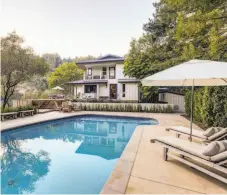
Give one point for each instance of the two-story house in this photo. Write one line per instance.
(104, 78)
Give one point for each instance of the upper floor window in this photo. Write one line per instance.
(112, 72)
(89, 71)
(103, 71)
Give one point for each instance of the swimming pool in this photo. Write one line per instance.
(68, 156)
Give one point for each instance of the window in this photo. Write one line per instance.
(104, 71)
(123, 90)
(89, 71)
(90, 88)
(112, 72)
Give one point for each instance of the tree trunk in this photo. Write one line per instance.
(5, 101)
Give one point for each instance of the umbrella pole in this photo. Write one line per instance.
(191, 118)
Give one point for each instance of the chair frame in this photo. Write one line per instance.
(183, 155)
(179, 133)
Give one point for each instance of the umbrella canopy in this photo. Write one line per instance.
(58, 88)
(199, 72)
(191, 73)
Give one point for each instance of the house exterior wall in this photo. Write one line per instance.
(78, 89)
(131, 89)
(103, 90)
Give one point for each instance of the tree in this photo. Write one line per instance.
(64, 73)
(53, 59)
(18, 65)
(180, 30)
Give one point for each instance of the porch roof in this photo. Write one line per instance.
(94, 81)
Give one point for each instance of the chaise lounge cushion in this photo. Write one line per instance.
(218, 134)
(211, 131)
(219, 157)
(215, 148)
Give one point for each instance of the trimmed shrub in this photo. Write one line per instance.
(210, 106)
(126, 108)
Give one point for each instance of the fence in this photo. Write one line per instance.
(176, 99)
(18, 103)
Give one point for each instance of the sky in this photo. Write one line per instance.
(76, 27)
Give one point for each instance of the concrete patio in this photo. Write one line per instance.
(141, 168)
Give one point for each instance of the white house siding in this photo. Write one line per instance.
(78, 89)
(131, 91)
(103, 90)
(119, 72)
(175, 99)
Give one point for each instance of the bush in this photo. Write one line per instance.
(126, 108)
(21, 108)
(210, 106)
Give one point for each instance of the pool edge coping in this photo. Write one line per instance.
(71, 116)
(111, 188)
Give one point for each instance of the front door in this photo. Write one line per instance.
(113, 91)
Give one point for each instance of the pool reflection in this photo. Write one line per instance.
(33, 157)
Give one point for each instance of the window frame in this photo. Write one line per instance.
(93, 86)
(88, 70)
(123, 89)
(112, 77)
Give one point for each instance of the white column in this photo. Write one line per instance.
(97, 92)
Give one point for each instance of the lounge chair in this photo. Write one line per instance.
(66, 106)
(190, 153)
(57, 107)
(199, 134)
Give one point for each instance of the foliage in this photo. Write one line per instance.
(126, 108)
(180, 31)
(82, 58)
(210, 106)
(53, 59)
(64, 73)
(18, 64)
(13, 109)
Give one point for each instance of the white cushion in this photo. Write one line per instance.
(218, 134)
(215, 148)
(211, 131)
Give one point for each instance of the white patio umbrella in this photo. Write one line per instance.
(191, 73)
(58, 88)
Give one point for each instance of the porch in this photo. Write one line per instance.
(94, 91)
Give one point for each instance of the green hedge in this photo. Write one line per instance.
(210, 106)
(125, 108)
(21, 108)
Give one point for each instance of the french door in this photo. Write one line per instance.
(113, 91)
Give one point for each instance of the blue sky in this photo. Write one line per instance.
(76, 27)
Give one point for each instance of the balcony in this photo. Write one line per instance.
(101, 76)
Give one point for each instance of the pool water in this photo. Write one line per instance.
(67, 156)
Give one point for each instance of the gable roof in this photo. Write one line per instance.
(106, 58)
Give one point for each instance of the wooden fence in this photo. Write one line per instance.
(176, 99)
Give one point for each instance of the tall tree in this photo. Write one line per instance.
(64, 73)
(53, 59)
(18, 65)
(180, 30)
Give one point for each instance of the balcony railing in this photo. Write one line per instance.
(95, 77)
